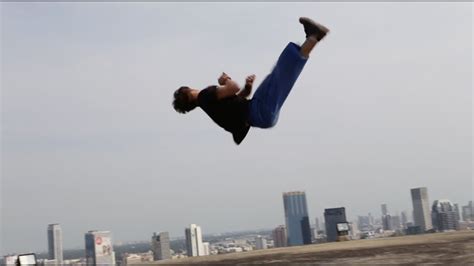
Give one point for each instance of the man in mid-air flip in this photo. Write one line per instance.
(229, 106)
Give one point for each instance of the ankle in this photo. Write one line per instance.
(308, 46)
(312, 39)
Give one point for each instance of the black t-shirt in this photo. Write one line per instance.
(230, 113)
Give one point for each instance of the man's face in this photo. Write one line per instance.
(223, 78)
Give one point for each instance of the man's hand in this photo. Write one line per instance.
(249, 80)
(247, 90)
(223, 79)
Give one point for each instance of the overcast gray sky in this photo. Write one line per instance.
(90, 139)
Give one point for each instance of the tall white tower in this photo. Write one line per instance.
(55, 243)
(194, 243)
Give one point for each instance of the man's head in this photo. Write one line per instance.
(184, 100)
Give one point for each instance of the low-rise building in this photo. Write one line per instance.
(139, 258)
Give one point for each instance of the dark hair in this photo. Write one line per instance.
(182, 103)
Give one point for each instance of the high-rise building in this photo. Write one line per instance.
(444, 216)
(317, 226)
(363, 223)
(280, 238)
(404, 219)
(458, 214)
(99, 248)
(194, 244)
(396, 222)
(384, 209)
(160, 245)
(332, 217)
(387, 222)
(371, 219)
(55, 243)
(471, 206)
(260, 243)
(421, 208)
(296, 217)
(468, 212)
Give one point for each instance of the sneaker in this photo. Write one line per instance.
(312, 28)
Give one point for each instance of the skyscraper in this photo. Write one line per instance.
(384, 209)
(421, 208)
(363, 223)
(458, 214)
(444, 216)
(99, 249)
(194, 244)
(332, 217)
(55, 243)
(160, 245)
(280, 237)
(396, 222)
(468, 212)
(404, 219)
(260, 243)
(471, 207)
(296, 218)
(387, 222)
(317, 226)
(371, 219)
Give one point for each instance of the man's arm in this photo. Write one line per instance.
(245, 92)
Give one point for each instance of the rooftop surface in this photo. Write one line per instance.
(445, 248)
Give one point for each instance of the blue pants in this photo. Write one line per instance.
(271, 94)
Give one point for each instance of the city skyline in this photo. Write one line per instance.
(195, 239)
(90, 139)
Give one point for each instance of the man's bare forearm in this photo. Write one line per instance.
(245, 92)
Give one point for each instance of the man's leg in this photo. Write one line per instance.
(308, 46)
(273, 91)
(275, 88)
